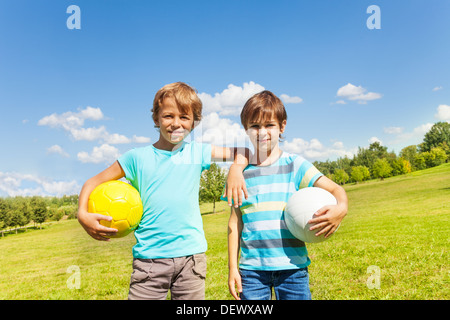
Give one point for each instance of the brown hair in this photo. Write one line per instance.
(263, 106)
(185, 96)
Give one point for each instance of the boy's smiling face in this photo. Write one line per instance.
(174, 124)
(265, 134)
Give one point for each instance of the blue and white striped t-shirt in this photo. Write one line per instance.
(266, 242)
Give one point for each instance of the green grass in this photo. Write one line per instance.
(400, 225)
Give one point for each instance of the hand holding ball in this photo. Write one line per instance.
(300, 209)
(120, 201)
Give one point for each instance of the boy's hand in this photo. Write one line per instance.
(328, 219)
(235, 186)
(234, 281)
(91, 223)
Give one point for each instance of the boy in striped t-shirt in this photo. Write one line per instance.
(270, 256)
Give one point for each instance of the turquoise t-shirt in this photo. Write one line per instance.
(168, 183)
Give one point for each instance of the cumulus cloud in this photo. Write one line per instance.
(220, 131)
(287, 99)
(437, 88)
(393, 130)
(73, 123)
(13, 184)
(412, 137)
(231, 100)
(103, 154)
(70, 119)
(315, 150)
(375, 139)
(443, 113)
(56, 149)
(359, 94)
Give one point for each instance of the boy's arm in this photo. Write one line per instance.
(328, 218)
(91, 221)
(235, 181)
(234, 235)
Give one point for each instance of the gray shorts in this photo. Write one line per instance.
(184, 277)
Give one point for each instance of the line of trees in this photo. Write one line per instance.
(16, 212)
(376, 162)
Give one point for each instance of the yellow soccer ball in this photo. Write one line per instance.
(119, 200)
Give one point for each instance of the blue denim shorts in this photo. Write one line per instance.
(287, 284)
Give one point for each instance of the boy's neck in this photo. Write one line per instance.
(163, 144)
(264, 158)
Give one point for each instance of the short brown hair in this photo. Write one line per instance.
(185, 96)
(262, 106)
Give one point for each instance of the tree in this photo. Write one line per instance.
(381, 169)
(419, 161)
(39, 209)
(436, 136)
(212, 183)
(408, 153)
(340, 176)
(434, 157)
(3, 218)
(20, 210)
(400, 166)
(367, 157)
(360, 173)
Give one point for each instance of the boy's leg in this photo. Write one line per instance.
(292, 285)
(189, 278)
(150, 279)
(256, 285)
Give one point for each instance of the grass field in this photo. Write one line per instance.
(396, 231)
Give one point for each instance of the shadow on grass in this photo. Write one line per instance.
(211, 212)
(13, 232)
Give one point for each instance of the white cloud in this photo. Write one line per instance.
(103, 154)
(443, 113)
(140, 139)
(73, 122)
(220, 131)
(393, 130)
(56, 149)
(287, 99)
(89, 134)
(422, 129)
(70, 119)
(231, 100)
(412, 137)
(375, 139)
(359, 94)
(315, 150)
(437, 88)
(13, 184)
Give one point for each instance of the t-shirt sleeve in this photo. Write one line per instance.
(307, 173)
(128, 163)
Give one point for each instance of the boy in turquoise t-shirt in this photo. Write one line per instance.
(269, 255)
(170, 243)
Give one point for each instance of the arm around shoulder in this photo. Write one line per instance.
(235, 186)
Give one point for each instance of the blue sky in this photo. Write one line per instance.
(72, 100)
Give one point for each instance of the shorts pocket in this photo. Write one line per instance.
(141, 270)
(199, 268)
